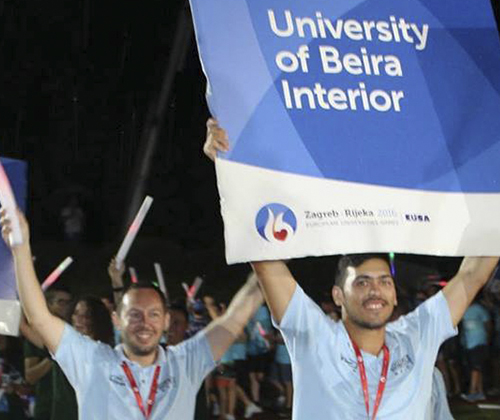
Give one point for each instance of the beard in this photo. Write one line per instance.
(137, 349)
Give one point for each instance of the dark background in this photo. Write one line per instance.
(78, 80)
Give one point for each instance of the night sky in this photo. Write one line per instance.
(78, 80)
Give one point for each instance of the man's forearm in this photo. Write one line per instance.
(475, 272)
(462, 289)
(33, 301)
(30, 292)
(243, 306)
(34, 373)
(278, 285)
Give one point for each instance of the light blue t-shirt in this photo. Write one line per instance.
(474, 331)
(104, 392)
(239, 351)
(326, 380)
(440, 406)
(281, 356)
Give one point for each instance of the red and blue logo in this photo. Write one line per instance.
(276, 222)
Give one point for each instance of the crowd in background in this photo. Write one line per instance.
(254, 375)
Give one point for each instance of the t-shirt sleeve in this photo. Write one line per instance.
(76, 355)
(196, 356)
(303, 324)
(430, 323)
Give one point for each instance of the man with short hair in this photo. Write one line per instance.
(137, 379)
(362, 367)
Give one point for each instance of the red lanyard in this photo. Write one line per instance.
(135, 389)
(364, 381)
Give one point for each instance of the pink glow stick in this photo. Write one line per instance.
(262, 332)
(54, 276)
(8, 202)
(193, 290)
(133, 230)
(133, 275)
(161, 280)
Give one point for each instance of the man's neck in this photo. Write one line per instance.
(143, 361)
(368, 340)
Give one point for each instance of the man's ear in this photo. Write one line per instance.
(167, 321)
(338, 295)
(116, 320)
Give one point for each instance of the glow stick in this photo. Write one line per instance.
(132, 231)
(193, 290)
(489, 406)
(161, 280)
(262, 332)
(186, 288)
(133, 275)
(8, 202)
(54, 276)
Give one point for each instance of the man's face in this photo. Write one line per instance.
(369, 294)
(178, 327)
(60, 305)
(142, 320)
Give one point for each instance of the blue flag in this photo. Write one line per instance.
(10, 309)
(355, 126)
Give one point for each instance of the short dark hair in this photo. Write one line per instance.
(51, 293)
(181, 308)
(355, 260)
(143, 286)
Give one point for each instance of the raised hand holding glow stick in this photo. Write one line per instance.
(193, 290)
(54, 276)
(8, 202)
(161, 280)
(133, 275)
(133, 230)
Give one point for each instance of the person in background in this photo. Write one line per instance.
(283, 372)
(234, 366)
(89, 317)
(14, 391)
(476, 325)
(37, 361)
(258, 331)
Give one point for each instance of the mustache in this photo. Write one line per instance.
(377, 300)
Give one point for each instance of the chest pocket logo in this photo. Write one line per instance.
(118, 380)
(403, 365)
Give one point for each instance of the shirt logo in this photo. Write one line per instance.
(402, 365)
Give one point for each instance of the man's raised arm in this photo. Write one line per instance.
(31, 296)
(471, 277)
(277, 284)
(276, 280)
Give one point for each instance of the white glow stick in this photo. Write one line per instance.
(54, 276)
(186, 288)
(8, 202)
(161, 280)
(193, 290)
(132, 231)
(133, 275)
